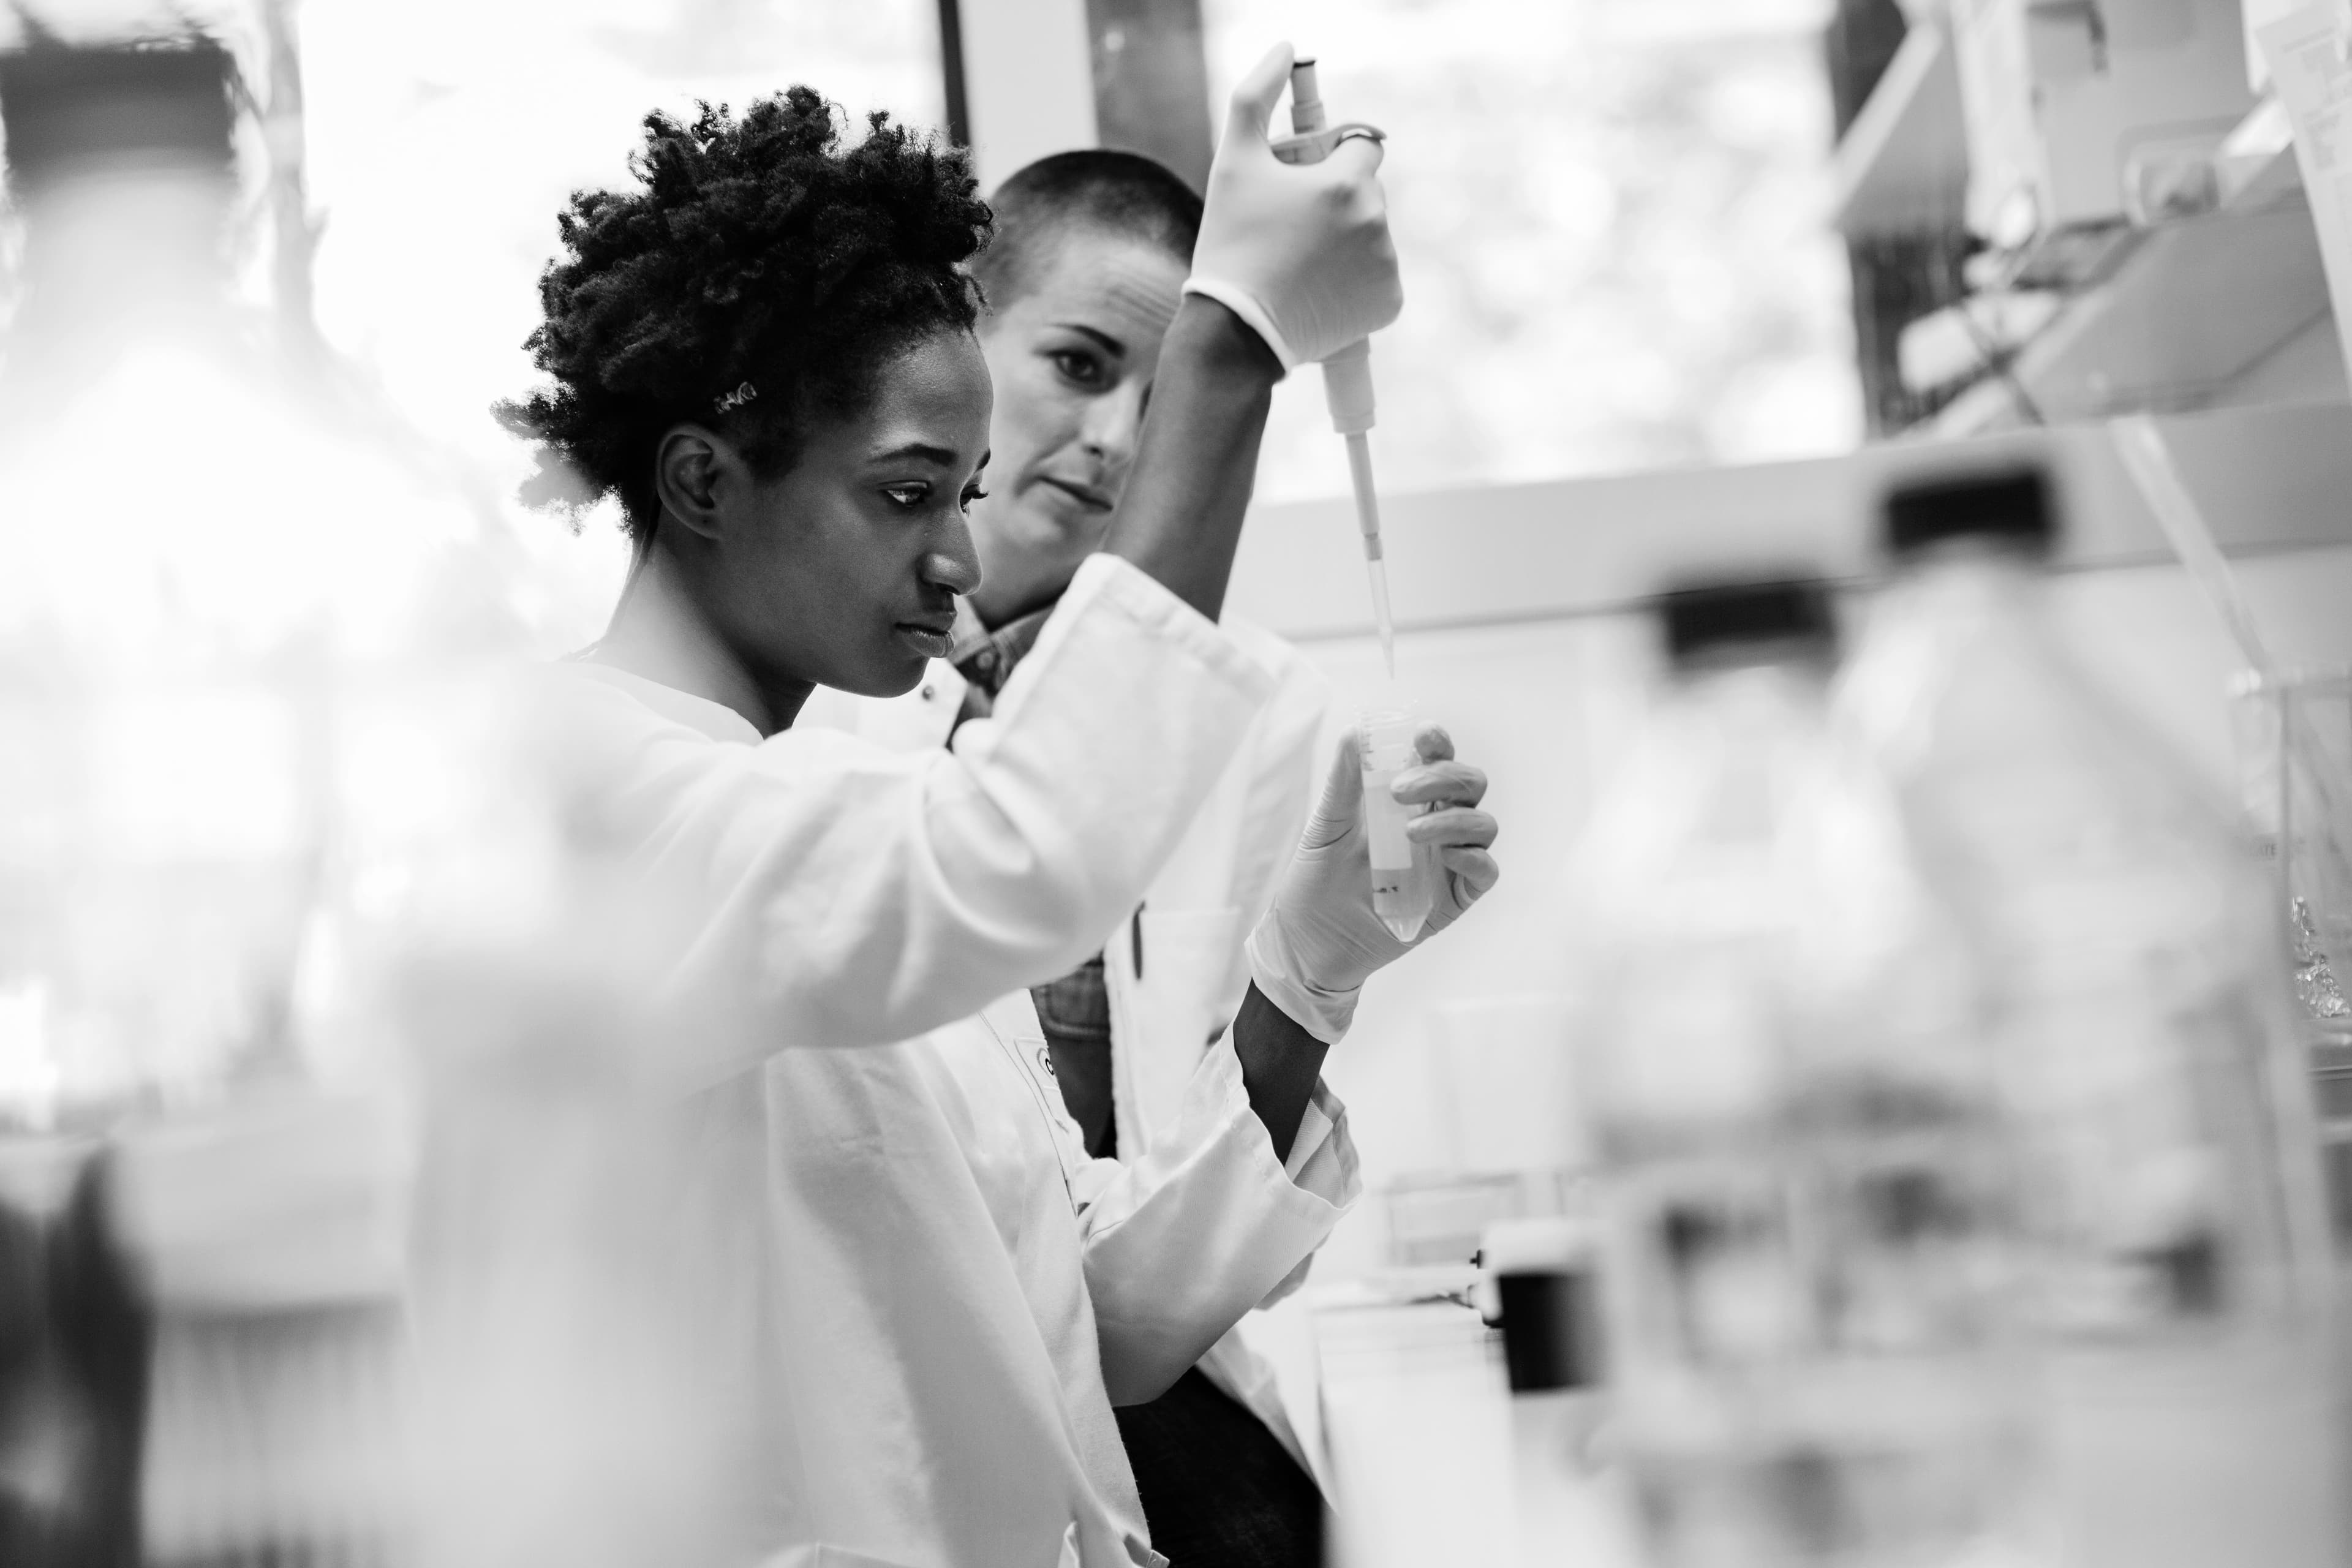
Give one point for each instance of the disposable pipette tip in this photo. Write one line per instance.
(1368, 523)
(1379, 573)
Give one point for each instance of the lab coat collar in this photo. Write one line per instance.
(714, 720)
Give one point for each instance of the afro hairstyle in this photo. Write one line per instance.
(759, 278)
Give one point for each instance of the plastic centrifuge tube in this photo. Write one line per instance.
(1400, 870)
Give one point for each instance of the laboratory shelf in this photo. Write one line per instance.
(2271, 477)
(2186, 316)
(2188, 313)
(1903, 165)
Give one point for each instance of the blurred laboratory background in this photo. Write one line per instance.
(1688, 281)
(1693, 289)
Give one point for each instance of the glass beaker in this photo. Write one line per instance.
(2295, 761)
(2294, 752)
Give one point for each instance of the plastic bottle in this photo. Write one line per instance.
(2143, 1043)
(1401, 871)
(1803, 1165)
(238, 610)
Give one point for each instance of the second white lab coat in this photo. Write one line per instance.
(1167, 1250)
(1175, 968)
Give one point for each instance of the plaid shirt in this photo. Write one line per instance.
(1073, 1011)
(985, 658)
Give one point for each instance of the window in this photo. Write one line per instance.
(445, 135)
(1612, 220)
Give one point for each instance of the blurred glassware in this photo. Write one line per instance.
(1810, 1220)
(2145, 1041)
(2294, 754)
(246, 641)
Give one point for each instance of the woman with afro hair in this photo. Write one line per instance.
(766, 354)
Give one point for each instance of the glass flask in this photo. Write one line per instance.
(2145, 1043)
(1809, 1217)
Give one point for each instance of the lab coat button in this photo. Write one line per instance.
(1045, 1060)
(930, 692)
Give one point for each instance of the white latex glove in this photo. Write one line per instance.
(1300, 251)
(1320, 942)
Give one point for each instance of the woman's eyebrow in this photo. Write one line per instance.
(923, 449)
(1110, 345)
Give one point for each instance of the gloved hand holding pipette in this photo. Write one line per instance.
(1326, 933)
(1252, 253)
(1332, 322)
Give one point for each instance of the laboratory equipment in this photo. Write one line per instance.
(1403, 872)
(2294, 756)
(2060, 99)
(1539, 1280)
(1348, 375)
(1544, 1275)
(2143, 1043)
(1803, 1165)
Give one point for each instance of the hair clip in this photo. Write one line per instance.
(737, 398)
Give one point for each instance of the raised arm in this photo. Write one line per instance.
(814, 888)
(1302, 253)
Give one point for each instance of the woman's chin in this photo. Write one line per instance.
(893, 672)
(1052, 525)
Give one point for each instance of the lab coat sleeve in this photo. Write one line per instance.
(1207, 1224)
(832, 892)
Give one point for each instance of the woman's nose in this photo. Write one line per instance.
(955, 563)
(1113, 424)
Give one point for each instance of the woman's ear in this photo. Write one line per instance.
(693, 471)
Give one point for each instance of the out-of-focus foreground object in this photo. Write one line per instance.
(1807, 1209)
(279, 896)
(2062, 99)
(2156, 1088)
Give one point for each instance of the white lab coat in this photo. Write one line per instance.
(1192, 973)
(907, 1388)
(1167, 1250)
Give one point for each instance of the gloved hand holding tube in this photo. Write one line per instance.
(1323, 937)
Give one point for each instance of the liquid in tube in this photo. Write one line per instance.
(1400, 870)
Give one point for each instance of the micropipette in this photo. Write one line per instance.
(1348, 375)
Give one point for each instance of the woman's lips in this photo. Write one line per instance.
(1085, 495)
(928, 641)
